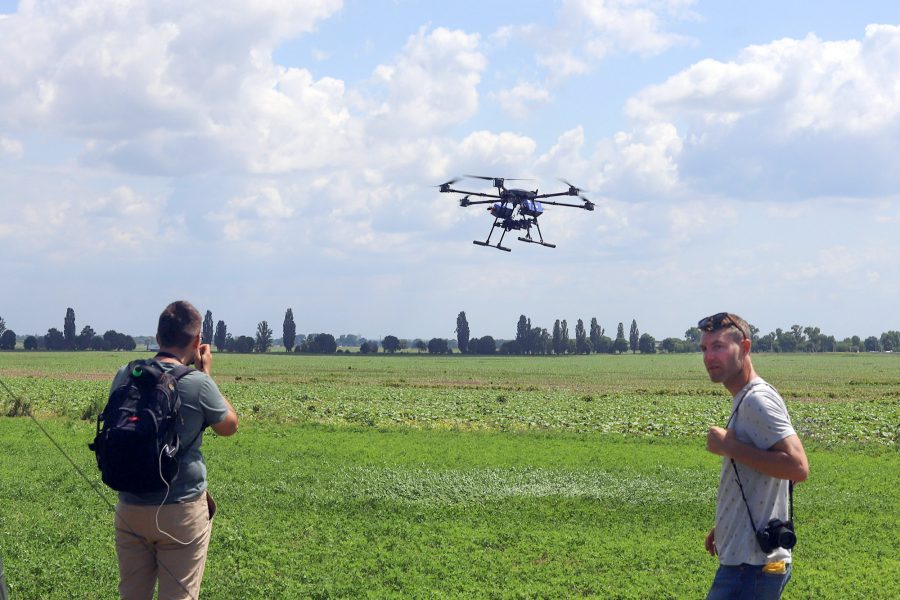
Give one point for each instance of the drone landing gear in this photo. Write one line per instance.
(487, 242)
(498, 246)
(542, 243)
(540, 239)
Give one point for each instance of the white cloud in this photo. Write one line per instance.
(64, 228)
(788, 119)
(141, 82)
(433, 83)
(521, 99)
(589, 31)
(11, 148)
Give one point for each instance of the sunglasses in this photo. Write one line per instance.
(719, 321)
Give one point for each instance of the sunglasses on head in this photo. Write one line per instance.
(719, 321)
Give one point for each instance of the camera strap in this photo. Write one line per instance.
(737, 475)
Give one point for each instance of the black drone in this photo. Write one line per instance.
(516, 209)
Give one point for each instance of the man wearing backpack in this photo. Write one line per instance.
(163, 536)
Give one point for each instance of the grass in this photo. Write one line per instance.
(420, 481)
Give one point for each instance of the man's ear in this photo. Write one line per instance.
(196, 343)
(745, 346)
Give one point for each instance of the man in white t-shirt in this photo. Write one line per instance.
(762, 455)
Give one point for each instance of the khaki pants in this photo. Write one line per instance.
(147, 555)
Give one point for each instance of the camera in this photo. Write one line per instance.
(777, 534)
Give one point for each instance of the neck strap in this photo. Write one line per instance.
(737, 475)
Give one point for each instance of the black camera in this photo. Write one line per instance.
(777, 534)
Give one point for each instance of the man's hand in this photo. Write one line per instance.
(203, 358)
(718, 440)
(711, 542)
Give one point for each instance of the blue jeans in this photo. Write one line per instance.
(747, 582)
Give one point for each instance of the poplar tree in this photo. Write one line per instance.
(69, 329)
(221, 336)
(206, 336)
(289, 330)
(462, 332)
(634, 337)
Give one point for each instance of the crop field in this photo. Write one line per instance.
(471, 477)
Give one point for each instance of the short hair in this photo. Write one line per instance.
(179, 324)
(730, 322)
(739, 326)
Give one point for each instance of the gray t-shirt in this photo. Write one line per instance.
(761, 420)
(201, 404)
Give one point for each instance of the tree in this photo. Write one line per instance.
(289, 330)
(872, 344)
(596, 333)
(263, 337)
(8, 340)
(558, 347)
(582, 345)
(671, 344)
(523, 328)
(692, 339)
(462, 332)
(390, 343)
(320, 343)
(54, 339)
(243, 344)
(510, 347)
(647, 344)
(221, 336)
(31, 343)
(634, 336)
(84, 339)
(620, 344)
(206, 334)
(604, 345)
(486, 345)
(2, 325)
(564, 332)
(890, 341)
(438, 346)
(69, 329)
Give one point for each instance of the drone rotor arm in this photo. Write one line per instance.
(588, 205)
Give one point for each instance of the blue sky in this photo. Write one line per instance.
(252, 159)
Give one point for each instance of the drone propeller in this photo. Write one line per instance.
(573, 190)
(496, 178)
(451, 182)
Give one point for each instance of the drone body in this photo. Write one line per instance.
(515, 209)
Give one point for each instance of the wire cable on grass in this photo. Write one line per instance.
(26, 409)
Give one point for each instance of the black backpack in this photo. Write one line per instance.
(136, 445)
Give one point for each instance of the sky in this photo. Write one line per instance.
(254, 157)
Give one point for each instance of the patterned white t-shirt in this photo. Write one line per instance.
(761, 420)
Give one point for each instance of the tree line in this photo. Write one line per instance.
(68, 339)
(529, 340)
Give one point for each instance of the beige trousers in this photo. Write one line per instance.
(146, 555)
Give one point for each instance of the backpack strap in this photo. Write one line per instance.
(179, 371)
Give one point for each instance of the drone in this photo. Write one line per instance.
(516, 209)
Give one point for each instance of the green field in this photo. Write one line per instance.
(419, 476)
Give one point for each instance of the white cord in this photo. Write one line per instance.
(168, 489)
